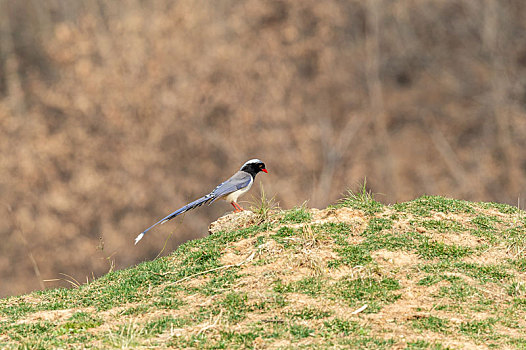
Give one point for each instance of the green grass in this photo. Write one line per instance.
(165, 323)
(310, 286)
(83, 320)
(244, 339)
(296, 216)
(351, 255)
(16, 308)
(136, 310)
(271, 301)
(377, 225)
(309, 313)
(515, 239)
(432, 323)
(478, 327)
(221, 282)
(429, 250)
(301, 283)
(339, 327)
(235, 306)
(501, 207)
(362, 199)
(45, 335)
(168, 302)
(442, 225)
(517, 289)
(300, 331)
(375, 293)
(459, 290)
(426, 205)
(482, 272)
(283, 236)
(485, 222)
(519, 264)
(430, 280)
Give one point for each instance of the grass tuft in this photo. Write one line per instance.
(375, 293)
(426, 205)
(264, 206)
(296, 215)
(432, 323)
(362, 199)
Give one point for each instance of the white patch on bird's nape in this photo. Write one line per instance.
(252, 161)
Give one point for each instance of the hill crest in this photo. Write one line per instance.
(430, 273)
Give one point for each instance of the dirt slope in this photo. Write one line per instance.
(431, 273)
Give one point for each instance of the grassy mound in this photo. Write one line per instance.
(431, 273)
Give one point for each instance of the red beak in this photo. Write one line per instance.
(265, 170)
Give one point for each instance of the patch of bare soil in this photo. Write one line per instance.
(397, 259)
(52, 315)
(233, 221)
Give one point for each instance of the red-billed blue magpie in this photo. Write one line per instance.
(230, 190)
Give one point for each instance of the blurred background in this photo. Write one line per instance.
(115, 113)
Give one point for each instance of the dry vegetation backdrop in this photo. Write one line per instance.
(115, 113)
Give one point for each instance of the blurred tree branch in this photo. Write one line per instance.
(376, 101)
(15, 93)
(499, 87)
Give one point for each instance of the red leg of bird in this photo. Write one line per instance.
(236, 209)
(237, 206)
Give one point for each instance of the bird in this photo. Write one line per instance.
(230, 190)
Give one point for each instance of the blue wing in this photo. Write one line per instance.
(240, 180)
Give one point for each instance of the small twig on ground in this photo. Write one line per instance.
(168, 238)
(71, 281)
(249, 258)
(272, 321)
(212, 325)
(357, 311)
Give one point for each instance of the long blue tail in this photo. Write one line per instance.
(197, 203)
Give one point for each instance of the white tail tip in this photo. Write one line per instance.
(139, 237)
